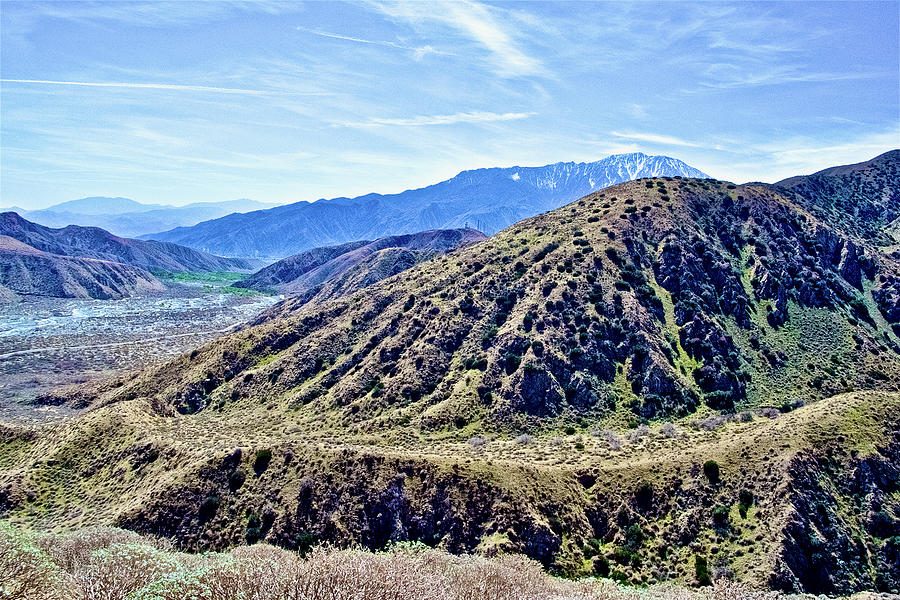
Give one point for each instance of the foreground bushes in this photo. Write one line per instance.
(110, 564)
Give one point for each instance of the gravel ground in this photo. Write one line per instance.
(45, 342)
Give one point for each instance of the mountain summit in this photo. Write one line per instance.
(487, 199)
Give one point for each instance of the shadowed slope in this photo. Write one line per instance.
(324, 273)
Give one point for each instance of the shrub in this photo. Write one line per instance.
(25, 570)
(236, 480)
(472, 362)
(634, 536)
(721, 516)
(601, 566)
(669, 430)
(261, 463)
(254, 528)
(208, 508)
(701, 570)
(711, 470)
(512, 362)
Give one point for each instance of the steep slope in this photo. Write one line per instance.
(488, 199)
(128, 218)
(650, 299)
(324, 273)
(27, 271)
(862, 199)
(92, 242)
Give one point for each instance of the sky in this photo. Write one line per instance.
(279, 102)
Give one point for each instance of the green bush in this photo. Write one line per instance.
(236, 480)
(208, 508)
(254, 528)
(261, 463)
(601, 566)
(745, 499)
(701, 569)
(721, 516)
(489, 334)
(634, 536)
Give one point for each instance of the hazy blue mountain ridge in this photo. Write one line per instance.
(128, 218)
(486, 199)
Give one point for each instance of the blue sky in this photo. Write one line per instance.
(184, 102)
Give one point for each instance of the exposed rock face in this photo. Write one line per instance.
(841, 532)
(324, 273)
(27, 271)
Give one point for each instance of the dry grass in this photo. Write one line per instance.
(111, 564)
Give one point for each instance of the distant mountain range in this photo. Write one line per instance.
(324, 273)
(487, 199)
(88, 262)
(129, 218)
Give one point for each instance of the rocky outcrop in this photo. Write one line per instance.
(843, 524)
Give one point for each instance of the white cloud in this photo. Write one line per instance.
(478, 23)
(162, 86)
(419, 52)
(654, 138)
(462, 117)
(803, 156)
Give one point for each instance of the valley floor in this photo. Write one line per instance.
(48, 342)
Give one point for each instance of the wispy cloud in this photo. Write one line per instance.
(479, 23)
(162, 86)
(654, 138)
(730, 76)
(418, 51)
(422, 120)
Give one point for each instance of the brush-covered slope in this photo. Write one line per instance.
(862, 199)
(650, 299)
(808, 500)
(27, 271)
(92, 242)
(488, 199)
(324, 273)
